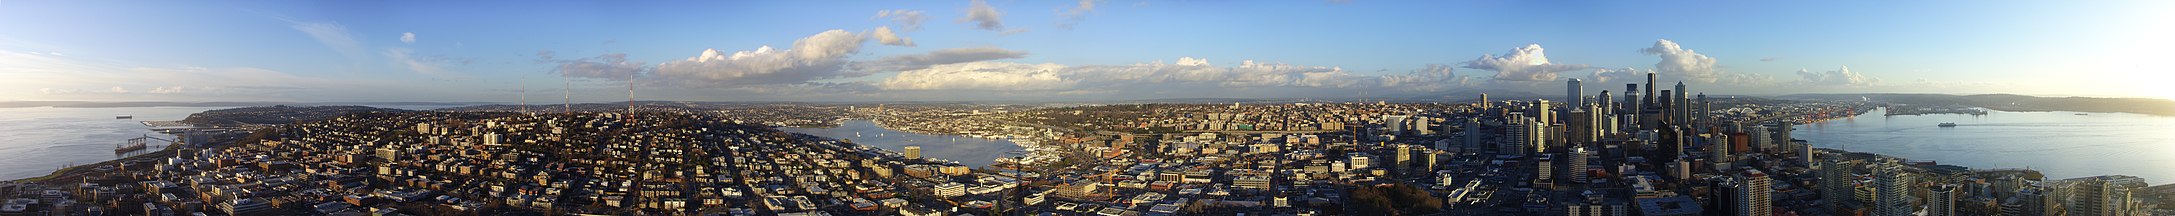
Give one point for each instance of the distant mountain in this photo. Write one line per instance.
(2015, 103)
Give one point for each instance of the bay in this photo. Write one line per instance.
(970, 151)
(2059, 144)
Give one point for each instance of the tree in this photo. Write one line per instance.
(1393, 199)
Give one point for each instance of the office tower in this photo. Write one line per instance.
(1574, 94)
(1758, 137)
(1580, 124)
(1396, 124)
(1754, 193)
(1404, 156)
(1521, 135)
(1682, 105)
(1544, 169)
(1631, 99)
(1472, 133)
(1701, 117)
(1718, 151)
(1650, 89)
(1577, 164)
(1540, 111)
(1608, 106)
(1782, 131)
(913, 152)
(1892, 190)
(1837, 184)
(1667, 109)
(1484, 104)
(1941, 200)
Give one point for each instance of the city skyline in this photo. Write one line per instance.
(1059, 51)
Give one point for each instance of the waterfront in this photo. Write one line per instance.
(35, 141)
(2060, 144)
(976, 152)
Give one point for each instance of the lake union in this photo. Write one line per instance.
(970, 151)
(2060, 144)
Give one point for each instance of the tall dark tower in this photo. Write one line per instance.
(1650, 88)
(1666, 106)
(1631, 99)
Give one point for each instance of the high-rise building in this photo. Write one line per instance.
(1577, 164)
(1484, 104)
(1892, 190)
(1702, 117)
(1540, 111)
(1521, 135)
(913, 152)
(1650, 89)
(1396, 124)
(1941, 200)
(1574, 94)
(1579, 123)
(1604, 100)
(1838, 185)
(1404, 156)
(1682, 108)
(2094, 196)
(1754, 193)
(1718, 151)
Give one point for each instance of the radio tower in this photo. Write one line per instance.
(630, 99)
(568, 92)
(524, 98)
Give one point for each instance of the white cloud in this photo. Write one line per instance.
(332, 35)
(1679, 63)
(1433, 78)
(908, 20)
(1527, 63)
(118, 89)
(1842, 77)
(1068, 18)
(885, 36)
(984, 16)
(819, 56)
(982, 76)
(407, 37)
(1617, 75)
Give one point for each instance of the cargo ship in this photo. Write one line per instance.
(124, 117)
(1948, 124)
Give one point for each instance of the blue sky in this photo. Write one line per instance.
(1063, 50)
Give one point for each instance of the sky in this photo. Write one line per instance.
(1015, 50)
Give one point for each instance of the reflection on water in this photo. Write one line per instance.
(35, 141)
(2061, 144)
(970, 151)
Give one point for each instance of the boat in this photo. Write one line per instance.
(133, 145)
(1948, 124)
(2084, 114)
(124, 117)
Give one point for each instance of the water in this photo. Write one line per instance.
(34, 141)
(2060, 144)
(976, 152)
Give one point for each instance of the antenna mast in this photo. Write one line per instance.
(524, 98)
(568, 92)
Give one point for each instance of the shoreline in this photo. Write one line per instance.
(80, 169)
